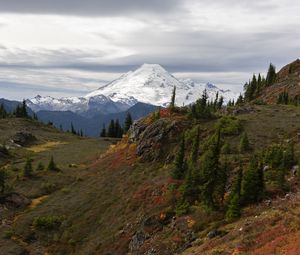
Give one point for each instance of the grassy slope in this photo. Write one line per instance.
(106, 200)
(68, 149)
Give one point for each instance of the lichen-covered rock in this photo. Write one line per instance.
(150, 138)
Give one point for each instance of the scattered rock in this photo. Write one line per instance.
(295, 170)
(24, 139)
(137, 241)
(215, 233)
(152, 224)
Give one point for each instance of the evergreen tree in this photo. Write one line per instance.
(190, 191)
(172, 104)
(52, 166)
(3, 113)
(240, 100)
(271, 75)
(180, 163)
(253, 182)
(211, 175)
(3, 177)
(103, 131)
(128, 122)
(73, 131)
(111, 129)
(195, 146)
(28, 168)
(283, 98)
(234, 208)
(118, 133)
(244, 143)
(220, 103)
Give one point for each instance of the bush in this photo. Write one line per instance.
(28, 168)
(229, 125)
(48, 187)
(40, 167)
(48, 222)
(182, 208)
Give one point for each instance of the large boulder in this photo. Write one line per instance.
(24, 139)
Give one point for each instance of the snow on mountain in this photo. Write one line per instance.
(150, 84)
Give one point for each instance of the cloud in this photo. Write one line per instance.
(88, 7)
(86, 43)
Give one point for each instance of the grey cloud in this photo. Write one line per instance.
(88, 7)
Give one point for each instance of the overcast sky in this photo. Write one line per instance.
(70, 47)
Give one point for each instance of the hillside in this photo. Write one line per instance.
(124, 200)
(287, 80)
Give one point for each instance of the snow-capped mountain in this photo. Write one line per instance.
(150, 84)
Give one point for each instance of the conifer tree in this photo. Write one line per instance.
(190, 187)
(3, 113)
(211, 176)
(244, 143)
(73, 131)
(24, 110)
(195, 146)
(52, 166)
(271, 75)
(240, 100)
(128, 122)
(180, 163)
(118, 133)
(111, 129)
(28, 168)
(234, 208)
(253, 182)
(172, 104)
(103, 131)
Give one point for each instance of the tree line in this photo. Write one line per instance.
(115, 129)
(254, 87)
(19, 112)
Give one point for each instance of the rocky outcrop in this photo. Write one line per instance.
(24, 139)
(15, 200)
(150, 138)
(3, 152)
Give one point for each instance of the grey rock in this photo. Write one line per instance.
(24, 139)
(137, 241)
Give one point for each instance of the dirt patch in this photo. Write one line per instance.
(45, 146)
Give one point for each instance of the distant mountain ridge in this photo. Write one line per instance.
(149, 84)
